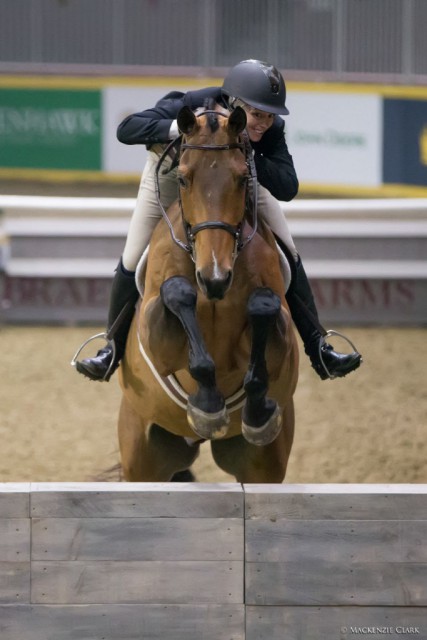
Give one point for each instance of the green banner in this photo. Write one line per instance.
(50, 129)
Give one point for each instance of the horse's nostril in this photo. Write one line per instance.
(229, 278)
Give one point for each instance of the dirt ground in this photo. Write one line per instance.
(368, 427)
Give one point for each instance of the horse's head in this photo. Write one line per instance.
(213, 180)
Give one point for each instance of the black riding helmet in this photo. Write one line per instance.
(257, 83)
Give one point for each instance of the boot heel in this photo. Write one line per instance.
(322, 342)
(109, 343)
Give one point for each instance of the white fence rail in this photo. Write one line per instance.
(374, 207)
(367, 259)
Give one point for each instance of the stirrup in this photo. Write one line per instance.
(322, 342)
(110, 342)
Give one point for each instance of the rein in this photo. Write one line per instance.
(234, 230)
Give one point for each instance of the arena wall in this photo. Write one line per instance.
(212, 561)
(366, 259)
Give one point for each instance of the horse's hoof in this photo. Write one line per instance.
(209, 426)
(266, 433)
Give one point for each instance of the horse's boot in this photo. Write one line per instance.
(325, 361)
(123, 297)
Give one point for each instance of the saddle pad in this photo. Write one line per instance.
(140, 272)
(285, 268)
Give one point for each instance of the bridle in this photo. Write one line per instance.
(251, 193)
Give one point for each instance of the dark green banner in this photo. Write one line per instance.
(50, 129)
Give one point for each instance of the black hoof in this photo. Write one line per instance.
(183, 476)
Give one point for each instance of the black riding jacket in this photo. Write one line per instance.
(274, 165)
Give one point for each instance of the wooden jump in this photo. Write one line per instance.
(212, 561)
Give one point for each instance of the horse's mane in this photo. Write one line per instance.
(213, 108)
(212, 118)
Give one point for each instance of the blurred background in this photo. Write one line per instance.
(356, 71)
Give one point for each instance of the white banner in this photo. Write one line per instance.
(335, 139)
(119, 102)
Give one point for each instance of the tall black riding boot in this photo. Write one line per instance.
(123, 298)
(325, 361)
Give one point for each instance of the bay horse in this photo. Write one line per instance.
(211, 354)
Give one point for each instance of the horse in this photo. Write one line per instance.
(211, 354)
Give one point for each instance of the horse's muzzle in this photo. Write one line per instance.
(214, 288)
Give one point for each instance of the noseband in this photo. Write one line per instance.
(234, 230)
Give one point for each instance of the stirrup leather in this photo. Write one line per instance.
(110, 342)
(322, 342)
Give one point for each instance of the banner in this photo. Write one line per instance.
(405, 142)
(344, 139)
(336, 139)
(50, 129)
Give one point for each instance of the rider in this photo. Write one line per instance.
(260, 90)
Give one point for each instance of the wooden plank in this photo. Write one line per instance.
(138, 500)
(336, 540)
(14, 582)
(14, 499)
(326, 488)
(137, 582)
(315, 582)
(124, 622)
(15, 539)
(336, 502)
(319, 623)
(137, 539)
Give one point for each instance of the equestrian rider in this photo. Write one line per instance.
(260, 89)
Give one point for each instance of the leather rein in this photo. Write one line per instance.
(251, 193)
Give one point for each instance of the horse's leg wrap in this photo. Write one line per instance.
(206, 409)
(261, 421)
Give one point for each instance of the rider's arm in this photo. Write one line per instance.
(159, 123)
(274, 164)
(152, 125)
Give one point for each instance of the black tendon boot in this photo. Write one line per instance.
(123, 298)
(325, 361)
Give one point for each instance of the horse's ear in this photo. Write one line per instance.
(186, 120)
(237, 121)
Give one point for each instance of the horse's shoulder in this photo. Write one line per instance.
(264, 242)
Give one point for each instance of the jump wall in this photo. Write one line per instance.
(111, 561)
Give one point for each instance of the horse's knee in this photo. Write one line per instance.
(177, 292)
(263, 302)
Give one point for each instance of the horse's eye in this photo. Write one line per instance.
(243, 180)
(182, 181)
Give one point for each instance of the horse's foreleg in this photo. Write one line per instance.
(206, 412)
(261, 416)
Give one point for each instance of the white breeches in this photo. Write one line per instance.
(147, 212)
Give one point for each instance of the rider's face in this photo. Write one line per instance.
(257, 122)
